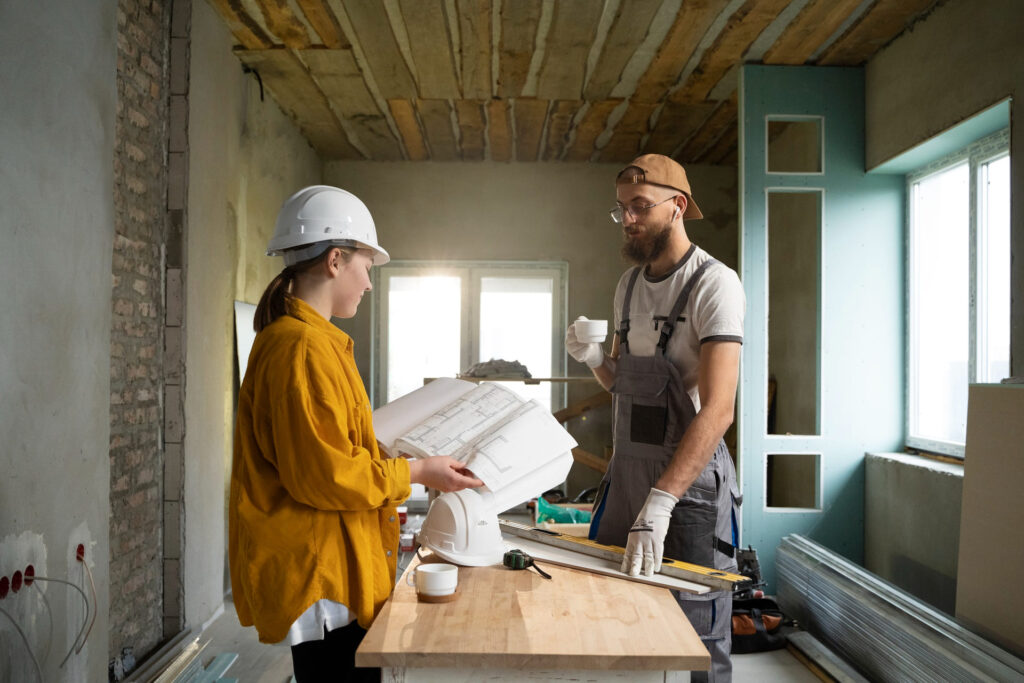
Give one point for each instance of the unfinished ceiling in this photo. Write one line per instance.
(528, 80)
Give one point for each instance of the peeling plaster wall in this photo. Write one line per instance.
(245, 158)
(57, 109)
(523, 211)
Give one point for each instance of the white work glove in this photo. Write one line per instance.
(590, 353)
(647, 537)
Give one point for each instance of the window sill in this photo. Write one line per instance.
(921, 462)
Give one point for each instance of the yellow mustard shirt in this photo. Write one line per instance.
(312, 509)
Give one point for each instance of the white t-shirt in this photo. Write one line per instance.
(714, 312)
(320, 615)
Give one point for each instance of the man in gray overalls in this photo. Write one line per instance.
(670, 490)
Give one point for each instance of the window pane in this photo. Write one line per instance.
(939, 312)
(515, 324)
(994, 271)
(424, 323)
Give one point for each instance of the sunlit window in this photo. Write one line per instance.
(424, 330)
(959, 289)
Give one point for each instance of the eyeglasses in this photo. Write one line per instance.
(635, 210)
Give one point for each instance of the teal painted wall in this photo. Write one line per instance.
(860, 355)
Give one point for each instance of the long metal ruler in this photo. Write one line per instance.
(713, 578)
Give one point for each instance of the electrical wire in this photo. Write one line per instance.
(28, 647)
(92, 586)
(84, 621)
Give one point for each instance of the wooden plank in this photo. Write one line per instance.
(431, 48)
(589, 128)
(588, 459)
(885, 20)
(246, 31)
(475, 48)
(504, 619)
(723, 117)
(740, 31)
(628, 30)
(528, 114)
(625, 142)
(809, 30)
(298, 96)
(573, 27)
(323, 21)
(372, 30)
(436, 116)
(716, 579)
(339, 78)
(577, 408)
(723, 148)
(519, 22)
(499, 130)
(404, 115)
(691, 23)
(559, 128)
(676, 123)
(471, 128)
(283, 23)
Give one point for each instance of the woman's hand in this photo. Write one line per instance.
(442, 473)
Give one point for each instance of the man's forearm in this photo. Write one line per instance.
(605, 372)
(694, 451)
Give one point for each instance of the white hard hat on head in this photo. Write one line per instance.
(318, 216)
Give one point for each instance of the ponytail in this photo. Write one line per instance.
(274, 302)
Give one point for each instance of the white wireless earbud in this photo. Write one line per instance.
(676, 213)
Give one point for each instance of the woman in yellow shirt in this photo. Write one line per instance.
(313, 525)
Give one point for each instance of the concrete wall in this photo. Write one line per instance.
(963, 58)
(57, 109)
(912, 524)
(533, 212)
(245, 158)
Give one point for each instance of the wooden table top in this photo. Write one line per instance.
(518, 619)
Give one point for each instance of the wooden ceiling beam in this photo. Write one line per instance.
(624, 145)
(593, 123)
(629, 28)
(815, 24)
(559, 128)
(283, 23)
(323, 21)
(431, 48)
(529, 116)
(436, 116)
(246, 31)
(740, 31)
(676, 124)
(404, 114)
(519, 21)
(499, 130)
(691, 23)
(470, 115)
(724, 116)
(372, 30)
(885, 20)
(298, 95)
(723, 149)
(573, 27)
(475, 48)
(338, 76)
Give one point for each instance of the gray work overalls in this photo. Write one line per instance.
(652, 411)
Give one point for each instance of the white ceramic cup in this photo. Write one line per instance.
(434, 579)
(591, 330)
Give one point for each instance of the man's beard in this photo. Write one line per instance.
(647, 248)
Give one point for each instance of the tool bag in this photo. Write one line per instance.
(756, 626)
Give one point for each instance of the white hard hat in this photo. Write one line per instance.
(319, 215)
(461, 528)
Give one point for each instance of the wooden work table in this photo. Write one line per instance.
(504, 623)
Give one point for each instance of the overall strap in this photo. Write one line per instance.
(669, 325)
(624, 324)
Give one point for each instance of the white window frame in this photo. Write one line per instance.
(976, 154)
(471, 273)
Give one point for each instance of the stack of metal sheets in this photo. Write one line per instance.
(888, 634)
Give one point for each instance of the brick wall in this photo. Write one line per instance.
(136, 345)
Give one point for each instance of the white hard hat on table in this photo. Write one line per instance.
(319, 215)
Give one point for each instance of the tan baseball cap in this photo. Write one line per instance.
(658, 169)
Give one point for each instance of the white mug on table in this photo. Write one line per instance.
(434, 579)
